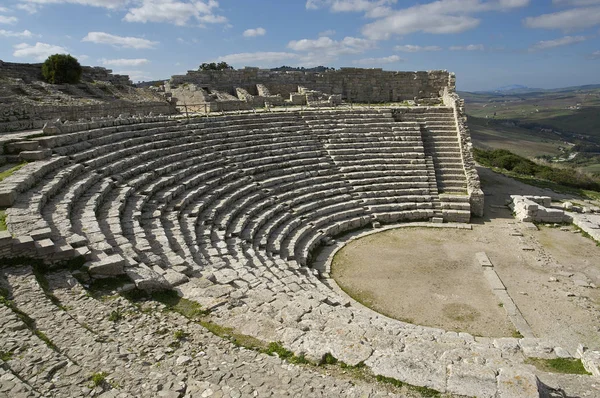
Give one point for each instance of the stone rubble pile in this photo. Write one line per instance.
(537, 209)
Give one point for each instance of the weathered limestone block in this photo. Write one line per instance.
(7, 197)
(471, 380)
(146, 279)
(44, 247)
(515, 383)
(590, 360)
(109, 266)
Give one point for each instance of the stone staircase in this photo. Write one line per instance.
(440, 141)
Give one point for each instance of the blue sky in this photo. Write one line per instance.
(488, 43)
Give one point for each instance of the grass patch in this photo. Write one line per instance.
(516, 334)
(586, 235)
(9, 172)
(188, 308)
(328, 359)
(3, 220)
(98, 379)
(42, 336)
(180, 334)
(115, 316)
(6, 356)
(276, 348)
(237, 339)
(424, 391)
(559, 365)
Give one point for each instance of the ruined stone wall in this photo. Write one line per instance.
(353, 84)
(16, 117)
(33, 72)
(474, 191)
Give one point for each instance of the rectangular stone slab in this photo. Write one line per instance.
(483, 259)
(493, 279)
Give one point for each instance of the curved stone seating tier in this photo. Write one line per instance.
(229, 211)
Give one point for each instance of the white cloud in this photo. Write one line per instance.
(82, 57)
(327, 33)
(378, 61)
(119, 41)
(38, 52)
(438, 17)
(175, 12)
(124, 62)
(255, 32)
(470, 47)
(257, 58)
(8, 33)
(324, 50)
(372, 8)
(594, 55)
(409, 48)
(110, 4)
(8, 20)
(349, 45)
(27, 7)
(563, 41)
(576, 18)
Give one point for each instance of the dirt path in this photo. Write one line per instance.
(430, 276)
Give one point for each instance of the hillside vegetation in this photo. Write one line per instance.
(559, 126)
(518, 166)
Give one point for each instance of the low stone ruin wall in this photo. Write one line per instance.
(537, 209)
(17, 117)
(353, 84)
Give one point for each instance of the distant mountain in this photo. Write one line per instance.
(511, 87)
(518, 89)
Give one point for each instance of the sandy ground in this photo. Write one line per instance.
(430, 276)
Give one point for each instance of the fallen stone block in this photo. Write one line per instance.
(175, 278)
(109, 266)
(146, 279)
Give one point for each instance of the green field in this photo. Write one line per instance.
(563, 123)
(495, 134)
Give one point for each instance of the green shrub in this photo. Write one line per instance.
(62, 68)
(503, 159)
(98, 379)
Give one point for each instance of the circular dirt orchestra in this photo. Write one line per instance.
(422, 276)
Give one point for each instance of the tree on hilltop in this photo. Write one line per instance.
(62, 68)
(215, 66)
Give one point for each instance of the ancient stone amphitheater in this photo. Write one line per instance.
(229, 211)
